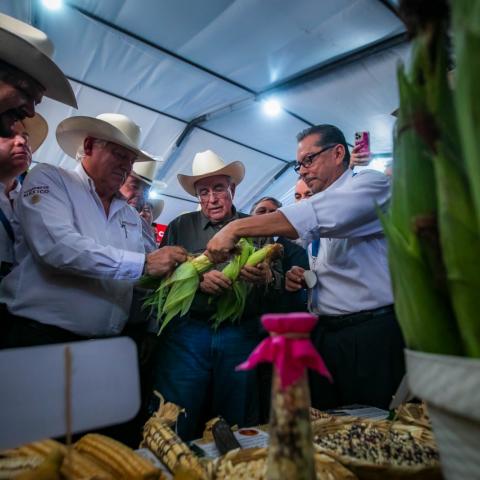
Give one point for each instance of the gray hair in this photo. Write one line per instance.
(276, 202)
(80, 155)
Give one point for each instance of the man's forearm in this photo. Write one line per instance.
(271, 224)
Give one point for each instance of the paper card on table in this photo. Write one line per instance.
(105, 388)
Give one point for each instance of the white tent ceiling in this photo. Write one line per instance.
(193, 74)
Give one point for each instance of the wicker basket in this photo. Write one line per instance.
(251, 464)
(413, 414)
(369, 470)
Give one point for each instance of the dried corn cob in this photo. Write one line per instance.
(49, 469)
(75, 465)
(118, 459)
(170, 449)
(11, 467)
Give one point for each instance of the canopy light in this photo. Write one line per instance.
(53, 4)
(153, 195)
(271, 107)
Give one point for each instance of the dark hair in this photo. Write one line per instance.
(276, 202)
(328, 134)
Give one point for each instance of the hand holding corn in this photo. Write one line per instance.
(214, 282)
(164, 260)
(260, 274)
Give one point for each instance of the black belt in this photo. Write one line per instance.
(335, 322)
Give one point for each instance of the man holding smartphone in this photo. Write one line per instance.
(357, 333)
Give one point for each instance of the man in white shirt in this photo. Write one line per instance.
(357, 332)
(15, 158)
(78, 243)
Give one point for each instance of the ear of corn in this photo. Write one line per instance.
(231, 303)
(49, 469)
(169, 448)
(457, 220)
(433, 232)
(421, 301)
(75, 465)
(466, 34)
(118, 459)
(268, 253)
(175, 294)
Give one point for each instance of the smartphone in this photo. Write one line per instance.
(362, 139)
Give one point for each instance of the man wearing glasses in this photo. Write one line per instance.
(194, 365)
(357, 332)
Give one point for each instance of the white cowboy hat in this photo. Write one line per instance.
(37, 129)
(145, 171)
(207, 164)
(112, 127)
(157, 207)
(29, 50)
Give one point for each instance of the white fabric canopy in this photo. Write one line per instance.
(168, 63)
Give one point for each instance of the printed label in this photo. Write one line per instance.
(42, 189)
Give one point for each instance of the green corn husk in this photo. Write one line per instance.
(268, 253)
(421, 301)
(466, 33)
(458, 226)
(231, 303)
(175, 294)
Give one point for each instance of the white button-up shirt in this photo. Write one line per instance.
(351, 266)
(76, 267)
(6, 244)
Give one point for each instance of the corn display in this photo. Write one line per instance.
(432, 225)
(75, 465)
(117, 459)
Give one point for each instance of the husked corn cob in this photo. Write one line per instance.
(118, 459)
(170, 449)
(75, 465)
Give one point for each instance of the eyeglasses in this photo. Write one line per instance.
(217, 191)
(309, 159)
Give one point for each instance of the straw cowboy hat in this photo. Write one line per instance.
(112, 127)
(207, 164)
(145, 171)
(37, 129)
(157, 207)
(29, 50)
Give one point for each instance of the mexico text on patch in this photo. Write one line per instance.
(42, 189)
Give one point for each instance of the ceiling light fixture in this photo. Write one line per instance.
(53, 4)
(271, 107)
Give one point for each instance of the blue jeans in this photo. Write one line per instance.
(194, 367)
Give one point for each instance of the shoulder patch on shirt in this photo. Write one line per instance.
(42, 189)
(35, 198)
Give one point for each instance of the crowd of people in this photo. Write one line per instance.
(75, 242)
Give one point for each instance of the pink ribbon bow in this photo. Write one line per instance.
(289, 347)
